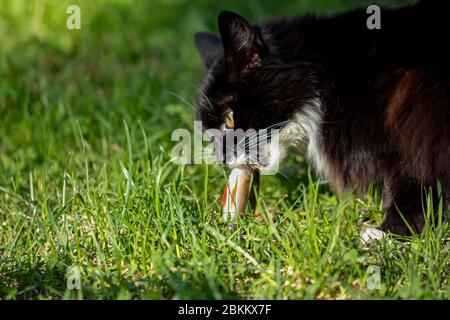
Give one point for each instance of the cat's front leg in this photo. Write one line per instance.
(403, 207)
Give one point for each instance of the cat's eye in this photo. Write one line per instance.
(229, 120)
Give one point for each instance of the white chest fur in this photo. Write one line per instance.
(305, 129)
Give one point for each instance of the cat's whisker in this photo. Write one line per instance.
(263, 133)
(182, 99)
(202, 92)
(212, 116)
(254, 161)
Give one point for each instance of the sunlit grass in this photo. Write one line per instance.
(86, 177)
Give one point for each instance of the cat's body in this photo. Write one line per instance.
(373, 105)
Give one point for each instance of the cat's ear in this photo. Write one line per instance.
(209, 46)
(243, 45)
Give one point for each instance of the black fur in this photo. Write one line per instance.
(385, 94)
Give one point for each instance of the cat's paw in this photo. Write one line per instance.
(370, 235)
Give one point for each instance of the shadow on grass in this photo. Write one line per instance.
(34, 282)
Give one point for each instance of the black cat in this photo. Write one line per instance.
(373, 106)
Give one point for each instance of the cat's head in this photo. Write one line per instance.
(247, 87)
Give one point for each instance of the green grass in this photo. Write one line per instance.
(86, 177)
